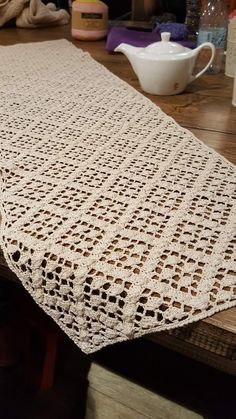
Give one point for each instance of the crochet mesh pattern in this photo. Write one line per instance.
(116, 220)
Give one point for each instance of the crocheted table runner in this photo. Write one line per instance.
(117, 221)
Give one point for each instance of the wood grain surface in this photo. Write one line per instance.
(205, 108)
(113, 396)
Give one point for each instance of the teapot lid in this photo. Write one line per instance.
(165, 47)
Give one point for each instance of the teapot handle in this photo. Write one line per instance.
(196, 52)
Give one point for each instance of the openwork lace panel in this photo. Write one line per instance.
(117, 221)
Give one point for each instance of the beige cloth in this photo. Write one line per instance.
(118, 221)
(31, 13)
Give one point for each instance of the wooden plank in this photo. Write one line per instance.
(134, 397)
(203, 105)
(225, 320)
(209, 337)
(224, 144)
(195, 352)
(100, 406)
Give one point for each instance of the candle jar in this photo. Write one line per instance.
(89, 20)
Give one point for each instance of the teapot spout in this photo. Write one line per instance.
(130, 52)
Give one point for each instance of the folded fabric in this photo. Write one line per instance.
(9, 9)
(31, 13)
(39, 14)
(119, 34)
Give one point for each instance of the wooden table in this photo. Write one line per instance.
(205, 109)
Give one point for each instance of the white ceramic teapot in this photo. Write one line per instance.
(164, 67)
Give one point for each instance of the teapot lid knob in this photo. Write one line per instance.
(165, 36)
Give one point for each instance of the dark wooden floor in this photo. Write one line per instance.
(201, 389)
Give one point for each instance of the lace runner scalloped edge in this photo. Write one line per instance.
(117, 221)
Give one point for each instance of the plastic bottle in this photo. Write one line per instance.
(213, 28)
(89, 20)
(192, 18)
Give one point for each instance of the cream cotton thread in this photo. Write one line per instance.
(116, 220)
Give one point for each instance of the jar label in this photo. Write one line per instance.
(89, 21)
(91, 15)
(215, 35)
